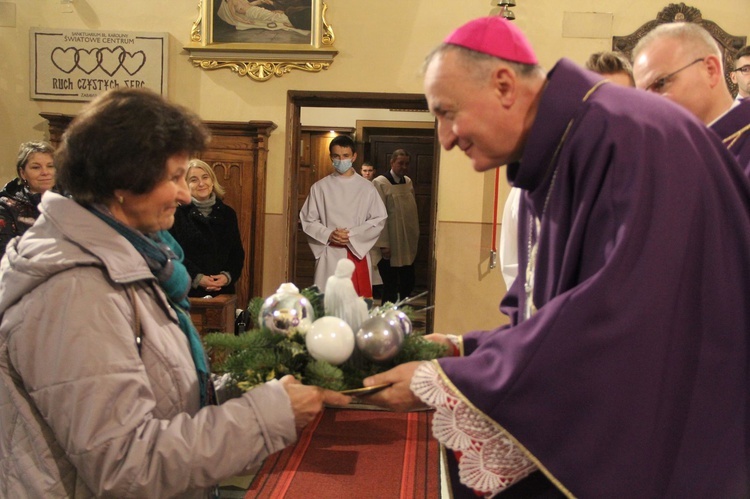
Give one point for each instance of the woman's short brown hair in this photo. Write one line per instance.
(122, 140)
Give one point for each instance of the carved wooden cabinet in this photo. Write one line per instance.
(213, 314)
(238, 152)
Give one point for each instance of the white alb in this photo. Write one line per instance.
(490, 462)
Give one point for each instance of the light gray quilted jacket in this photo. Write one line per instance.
(82, 413)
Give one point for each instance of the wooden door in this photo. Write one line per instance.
(422, 152)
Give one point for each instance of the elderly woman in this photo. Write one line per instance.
(103, 381)
(20, 197)
(208, 233)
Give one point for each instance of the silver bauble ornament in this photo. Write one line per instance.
(287, 311)
(395, 316)
(378, 339)
(330, 339)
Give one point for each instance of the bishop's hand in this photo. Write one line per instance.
(398, 396)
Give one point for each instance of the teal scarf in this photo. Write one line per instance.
(164, 257)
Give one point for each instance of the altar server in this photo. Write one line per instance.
(343, 217)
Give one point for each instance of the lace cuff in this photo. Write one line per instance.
(457, 344)
(490, 462)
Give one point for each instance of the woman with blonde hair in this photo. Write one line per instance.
(21, 196)
(104, 382)
(208, 232)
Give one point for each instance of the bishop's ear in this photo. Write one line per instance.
(504, 81)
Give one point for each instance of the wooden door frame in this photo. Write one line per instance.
(366, 128)
(296, 100)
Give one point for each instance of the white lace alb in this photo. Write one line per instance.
(490, 462)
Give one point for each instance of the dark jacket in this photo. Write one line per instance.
(18, 211)
(212, 244)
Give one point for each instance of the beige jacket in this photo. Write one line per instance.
(82, 413)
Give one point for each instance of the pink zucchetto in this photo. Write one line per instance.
(494, 36)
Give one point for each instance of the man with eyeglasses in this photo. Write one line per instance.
(741, 74)
(682, 62)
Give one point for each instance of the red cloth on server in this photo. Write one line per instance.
(361, 275)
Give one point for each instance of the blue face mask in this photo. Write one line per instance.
(342, 165)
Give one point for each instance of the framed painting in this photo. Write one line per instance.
(262, 38)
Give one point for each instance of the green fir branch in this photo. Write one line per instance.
(260, 355)
(315, 297)
(253, 307)
(325, 375)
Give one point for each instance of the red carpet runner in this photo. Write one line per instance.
(355, 453)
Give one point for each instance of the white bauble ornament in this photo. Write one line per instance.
(379, 340)
(287, 311)
(330, 339)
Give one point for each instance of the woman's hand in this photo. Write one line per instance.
(220, 280)
(214, 282)
(307, 401)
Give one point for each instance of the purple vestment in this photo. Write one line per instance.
(631, 379)
(732, 128)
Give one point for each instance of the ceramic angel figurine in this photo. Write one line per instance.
(341, 300)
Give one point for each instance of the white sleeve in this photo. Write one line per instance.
(509, 237)
(490, 460)
(311, 218)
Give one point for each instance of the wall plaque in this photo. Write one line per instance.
(78, 65)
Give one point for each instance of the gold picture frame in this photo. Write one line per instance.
(261, 39)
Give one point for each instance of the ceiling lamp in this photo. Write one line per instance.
(504, 9)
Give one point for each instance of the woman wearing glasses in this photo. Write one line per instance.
(104, 384)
